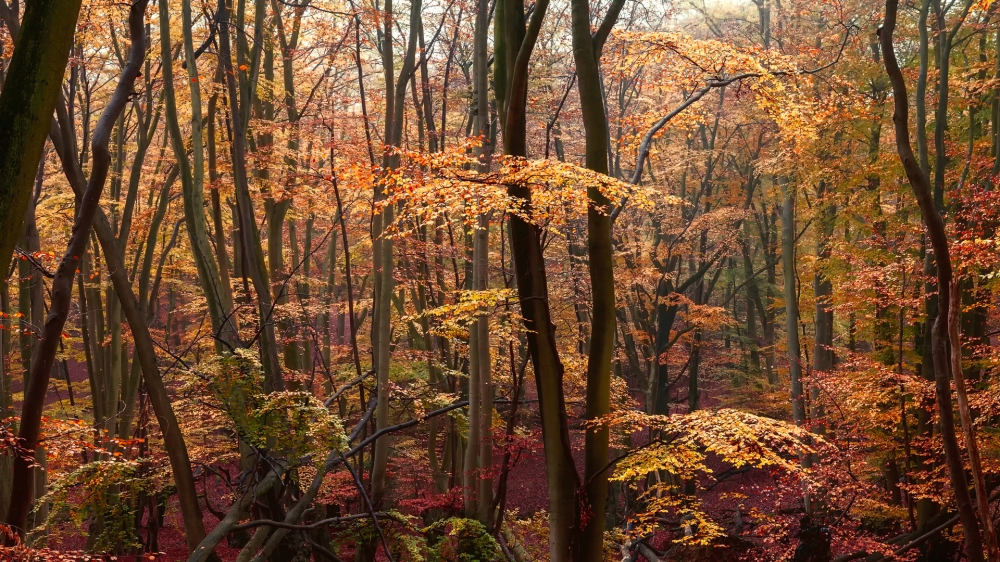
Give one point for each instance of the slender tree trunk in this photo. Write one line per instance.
(31, 306)
(968, 429)
(753, 299)
(823, 291)
(587, 54)
(513, 44)
(192, 174)
(250, 238)
(62, 285)
(939, 242)
(791, 304)
(480, 274)
(792, 314)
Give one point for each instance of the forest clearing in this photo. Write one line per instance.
(500, 280)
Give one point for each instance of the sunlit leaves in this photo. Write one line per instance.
(428, 187)
(292, 423)
(452, 320)
(680, 453)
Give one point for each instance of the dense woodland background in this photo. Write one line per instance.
(500, 280)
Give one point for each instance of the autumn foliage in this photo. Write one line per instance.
(351, 272)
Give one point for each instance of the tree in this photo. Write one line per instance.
(940, 333)
(44, 355)
(44, 37)
(587, 50)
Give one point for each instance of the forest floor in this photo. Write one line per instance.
(752, 491)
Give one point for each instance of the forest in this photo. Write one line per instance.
(500, 280)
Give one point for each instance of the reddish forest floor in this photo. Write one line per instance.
(754, 489)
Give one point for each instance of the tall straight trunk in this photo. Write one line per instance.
(823, 357)
(329, 294)
(470, 477)
(665, 317)
(116, 355)
(275, 212)
(384, 262)
(304, 291)
(113, 367)
(479, 455)
(513, 44)
(31, 304)
(483, 367)
(753, 299)
(792, 315)
(87, 325)
(791, 304)
(31, 88)
(939, 242)
(694, 365)
(239, 101)
(439, 379)
(577, 257)
(43, 357)
(221, 250)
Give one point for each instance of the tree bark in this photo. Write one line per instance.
(513, 44)
(30, 90)
(968, 429)
(249, 237)
(939, 242)
(192, 174)
(587, 54)
(823, 357)
(791, 304)
(62, 285)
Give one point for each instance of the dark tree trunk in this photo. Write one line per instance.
(939, 242)
(62, 285)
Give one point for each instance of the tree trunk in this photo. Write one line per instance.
(823, 358)
(587, 53)
(62, 285)
(939, 242)
(249, 236)
(513, 44)
(192, 174)
(792, 314)
(30, 90)
(382, 246)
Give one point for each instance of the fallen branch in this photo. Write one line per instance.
(919, 540)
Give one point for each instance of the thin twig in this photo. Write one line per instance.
(368, 502)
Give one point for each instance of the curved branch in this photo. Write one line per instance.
(711, 84)
(62, 285)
